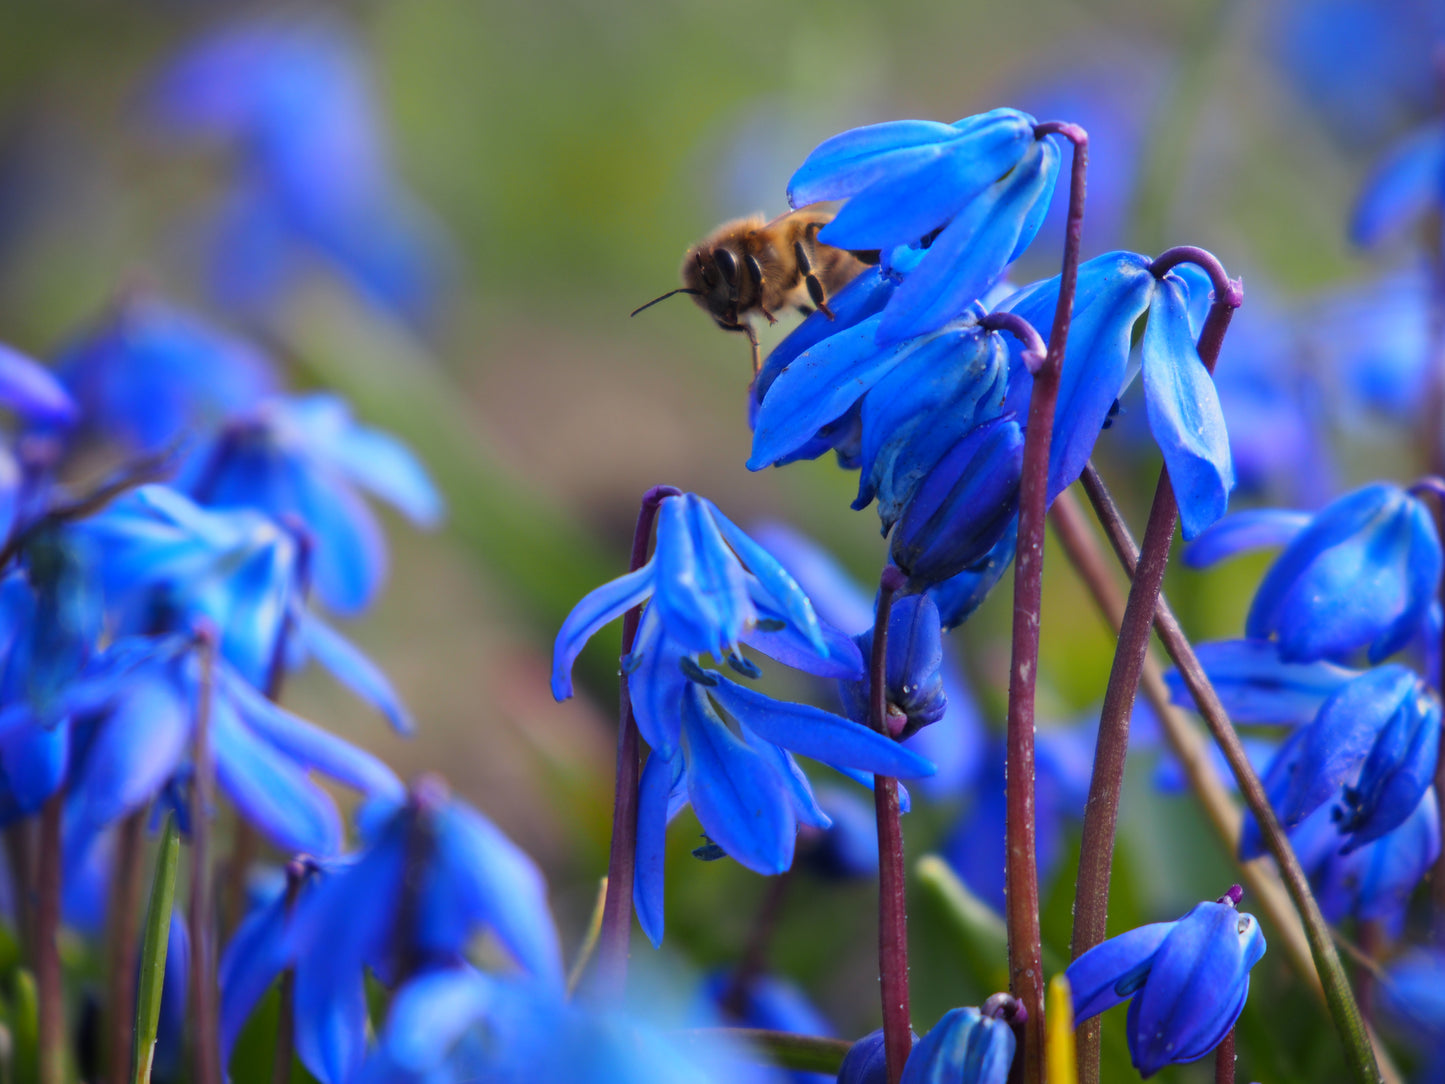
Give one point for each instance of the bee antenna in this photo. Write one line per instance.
(664, 297)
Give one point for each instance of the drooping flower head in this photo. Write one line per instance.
(966, 1046)
(1359, 574)
(1113, 292)
(973, 193)
(1186, 981)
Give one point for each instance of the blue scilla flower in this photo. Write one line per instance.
(1254, 684)
(1188, 981)
(1114, 291)
(1372, 882)
(765, 1001)
(295, 99)
(135, 709)
(916, 695)
(964, 1046)
(166, 563)
(304, 458)
(435, 874)
(712, 588)
(148, 373)
(1360, 574)
(1413, 999)
(741, 780)
(974, 192)
(32, 393)
(848, 848)
(954, 743)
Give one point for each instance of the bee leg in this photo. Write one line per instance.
(755, 272)
(747, 329)
(814, 284)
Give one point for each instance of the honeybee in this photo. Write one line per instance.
(749, 265)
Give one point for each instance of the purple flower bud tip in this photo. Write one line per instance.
(1233, 896)
(1007, 1008)
(429, 793)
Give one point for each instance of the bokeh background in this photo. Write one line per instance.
(554, 160)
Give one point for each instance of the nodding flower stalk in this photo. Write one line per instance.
(1025, 946)
(616, 930)
(1169, 320)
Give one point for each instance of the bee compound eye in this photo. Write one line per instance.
(727, 264)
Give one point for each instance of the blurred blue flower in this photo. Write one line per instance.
(742, 782)
(1406, 184)
(1255, 686)
(32, 392)
(302, 459)
(766, 1001)
(148, 373)
(296, 99)
(1188, 980)
(1413, 999)
(1361, 573)
(711, 589)
(974, 192)
(866, 1061)
(955, 743)
(848, 848)
(435, 874)
(1114, 291)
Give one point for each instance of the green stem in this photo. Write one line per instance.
(153, 952)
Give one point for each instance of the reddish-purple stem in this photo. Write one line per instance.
(1021, 871)
(203, 1009)
(1224, 1060)
(297, 870)
(610, 969)
(124, 924)
(892, 894)
(1101, 814)
(48, 992)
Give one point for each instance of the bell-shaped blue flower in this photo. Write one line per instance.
(742, 782)
(848, 848)
(712, 588)
(974, 193)
(435, 875)
(1188, 981)
(148, 373)
(958, 596)
(766, 1001)
(303, 459)
(964, 1046)
(916, 695)
(32, 392)
(866, 1061)
(1413, 999)
(1113, 292)
(1257, 687)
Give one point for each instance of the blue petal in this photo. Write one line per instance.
(1184, 412)
(867, 780)
(35, 760)
(1331, 527)
(1256, 687)
(331, 1020)
(310, 746)
(349, 556)
(821, 735)
(784, 591)
(1402, 187)
(958, 596)
(32, 391)
(655, 683)
(970, 255)
(700, 589)
(819, 387)
(848, 163)
(1112, 293)
(1257, 528)
(787, 645)
(964, 1047)
(1094, 976)
(658, 777)
(254, 958)
(502, 885)
(1395, 865)
(379, 462)
(1423, 568)
(429, 1014)
(795, 783)
(350, 667)
(135, 750)
(1398, 771)
(599, 608)
(269, 790)
(735, 792)
(837, 598)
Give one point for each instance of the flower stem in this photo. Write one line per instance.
(1349, 1026)
(754, 960)
(49, 995)
(892, 893)
(610, 976)
(1021, 870)
(297, 871)
(125, 903)
(1101, 814)
(1224, 1060)
(203, 1008)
